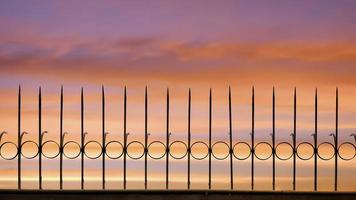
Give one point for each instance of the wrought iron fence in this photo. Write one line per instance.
(231, 148)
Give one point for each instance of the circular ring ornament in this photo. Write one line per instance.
(286, 145)
(175, 143)
(320, 149)
(204, 146)
(305, 145)
(112, 145)
(10, 156)
(346, 146)
(151, 148)
(34, 145)
(87, 151)
(138, 155)
(267, 145)
(48, 143)
(74, 145)
(216, 155)
(236, 151)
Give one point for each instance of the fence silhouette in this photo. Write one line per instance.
(231, 152)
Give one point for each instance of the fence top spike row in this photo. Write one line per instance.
(198, 150)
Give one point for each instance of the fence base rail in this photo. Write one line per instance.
(170, 194)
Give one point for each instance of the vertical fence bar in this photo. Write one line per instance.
(19, 140)
(273, 140)
(231, 150)
(189, 150)
(253, 140)
(39, 139)
(210, 151)
(103, 136)
(146, 138)
(125, 137)
(336, 135)
(167, 142)
(61, 141)
(316, 142)
(294, 137)
(82, 138)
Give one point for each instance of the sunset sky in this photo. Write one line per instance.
(179, 45)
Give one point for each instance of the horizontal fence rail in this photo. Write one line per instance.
(231, 149)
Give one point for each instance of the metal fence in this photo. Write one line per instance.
(231, 153)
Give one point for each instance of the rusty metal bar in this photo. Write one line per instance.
(336, 136)
(230, 144)
(19, 140)
(210, 151)
(82, 138)
(125, 137)
(39, 139)
(167, 142)
(294, 137)
(253, 140)
(273, 140)
(146, 137)
(61, 141)
(189, 136)
(103, 136)
(316, 142)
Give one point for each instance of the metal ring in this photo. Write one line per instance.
(3, 145)
(138, 157)
(71, 142)
(224, 157)
(343, 158)
(261, 143)
(159, 157)
(326, 143)
(48, 142)
(307, 158)
(94, 157)
(110, 156)
(29, 142)
(178, 157)
(249, 150)
(284, 158)
(199, 158)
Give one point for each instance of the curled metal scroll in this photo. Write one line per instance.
(112, 143)
(215, 154)
(198, 150)
(278, 153)
(236, 152)
(150, 153)
(196, 157)
(178, 157)
(140, 155)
